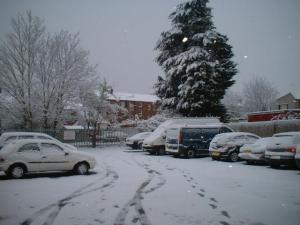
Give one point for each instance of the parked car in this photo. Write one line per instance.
(8, 137)
(255, 152)
(192, 140)
(136, 141)
(297, 157)
(282, 150)
(227, 145)
(155, 143)
(36, 155)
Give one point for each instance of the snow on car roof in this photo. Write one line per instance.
(22, 133)
(119, 96)
(293, 133)
(215, 125)
(232, 134)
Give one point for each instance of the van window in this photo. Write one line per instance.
(199, 133)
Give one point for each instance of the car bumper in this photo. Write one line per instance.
(92, 164)
(298, 163)
(281, 159)
(4, 167)
(252, 156)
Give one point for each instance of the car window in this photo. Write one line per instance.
(26, 136)
(252, 138)
(29, 148)
(11, 138)
(43, 137)
(225, 130)
(50, 148)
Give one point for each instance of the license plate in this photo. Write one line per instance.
(247, 151)
(216, 154)
(275, 157)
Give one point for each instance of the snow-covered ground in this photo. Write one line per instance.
(132, 187)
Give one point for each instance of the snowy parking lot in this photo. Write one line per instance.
(132, 187)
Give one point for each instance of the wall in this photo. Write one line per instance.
(267, 128)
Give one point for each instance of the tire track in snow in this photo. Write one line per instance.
(54, 208)
(136, 201)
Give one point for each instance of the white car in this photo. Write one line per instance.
(255, 152)
(283, 149)
(227, 145)
(8, 137)
(136, 140)
(36, 155)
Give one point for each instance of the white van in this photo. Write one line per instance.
(192, 140)
(155, 143)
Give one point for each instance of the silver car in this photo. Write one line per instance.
(36, 155)
(283, 149)
(255, 152)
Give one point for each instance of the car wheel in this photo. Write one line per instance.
(234, 156)
(214, 158)
(140, 145)
(249, 162)
(274, 164)
(16, 171)
(82, 168)
(161, 151)
(190, 153)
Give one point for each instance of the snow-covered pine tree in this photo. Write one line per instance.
(197, 62)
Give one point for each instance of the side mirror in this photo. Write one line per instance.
(66, 153)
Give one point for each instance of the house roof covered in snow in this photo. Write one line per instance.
(296, 94)
(121, 96)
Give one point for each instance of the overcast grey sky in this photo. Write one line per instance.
(121, 35)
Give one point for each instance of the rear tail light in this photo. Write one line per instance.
(180, 138)
(291, 149)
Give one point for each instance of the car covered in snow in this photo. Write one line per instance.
(8, 137)
(192, 140)
(255, 152)
(283, 149)
(155, 143)
(36, 155)
(136, 141)
(227, 146)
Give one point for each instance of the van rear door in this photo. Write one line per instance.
(199, 138)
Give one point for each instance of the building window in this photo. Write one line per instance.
(283, 106)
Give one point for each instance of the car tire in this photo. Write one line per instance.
(275, 165)
(249, 162)
(234, 156)
(161, 151)
(215, 158)
(140, 145)
(82, 168)
(190, 153)
(16, 171)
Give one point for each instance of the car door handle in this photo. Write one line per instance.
(44, 157)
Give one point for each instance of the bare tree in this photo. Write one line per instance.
(233, 102)
(61, 69)
(259, 95)
(17, 61)
(72, 68)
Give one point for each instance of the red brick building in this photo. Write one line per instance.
(139, 106)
